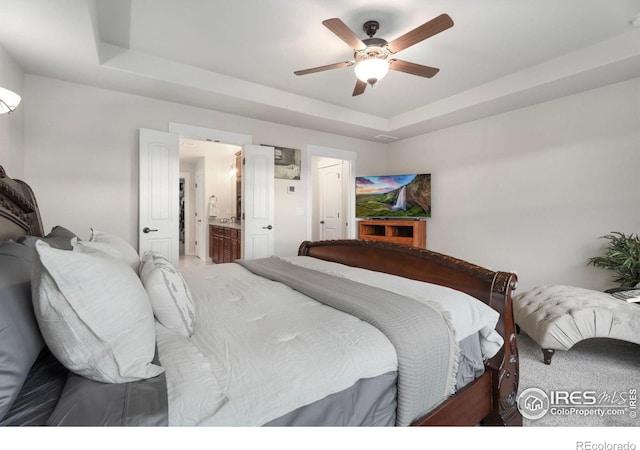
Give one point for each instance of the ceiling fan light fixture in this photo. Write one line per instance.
(9, 100)
(371, 70)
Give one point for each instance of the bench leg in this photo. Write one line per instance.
(547, 354)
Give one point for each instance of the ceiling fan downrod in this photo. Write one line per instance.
(371, 27)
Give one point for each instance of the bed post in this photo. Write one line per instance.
(504, 366)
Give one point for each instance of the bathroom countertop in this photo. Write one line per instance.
(217, 222)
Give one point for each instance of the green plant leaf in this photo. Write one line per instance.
(622, 256)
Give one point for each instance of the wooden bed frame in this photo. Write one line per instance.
(489, 400)
(19, 213)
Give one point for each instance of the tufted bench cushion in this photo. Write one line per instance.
(558, 317)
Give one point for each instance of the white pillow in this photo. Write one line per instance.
(114, 246)
(94, 315)
(169, 294)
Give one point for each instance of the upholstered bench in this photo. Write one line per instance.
(558, 317)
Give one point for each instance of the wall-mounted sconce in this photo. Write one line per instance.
(9, 101)
(232, 171)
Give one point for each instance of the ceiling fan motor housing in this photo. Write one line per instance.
(376, 48)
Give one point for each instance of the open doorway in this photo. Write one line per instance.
(208, 171)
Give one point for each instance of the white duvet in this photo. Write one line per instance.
(252, 335)
(255, 335)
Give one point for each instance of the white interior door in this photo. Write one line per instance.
(310, 164)
(200, 244)
(159, 185)
(257, 201)
(331, 205)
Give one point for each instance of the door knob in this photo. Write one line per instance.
(268, 227)
(147, 230)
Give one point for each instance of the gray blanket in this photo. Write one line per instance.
(421, 334)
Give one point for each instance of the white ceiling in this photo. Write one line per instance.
(238, 56)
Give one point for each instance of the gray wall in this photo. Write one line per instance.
(81, 156)
(533, 189)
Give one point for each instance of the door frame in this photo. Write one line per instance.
(188, 212)
(321, 166)
(210, 134)
(350, 184)
(201, 246)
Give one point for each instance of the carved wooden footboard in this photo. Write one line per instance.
(491, 398)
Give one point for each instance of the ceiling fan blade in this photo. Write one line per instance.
(338, 28)
(424, 31)
(323, 68)
(412, 68)
(360, 87)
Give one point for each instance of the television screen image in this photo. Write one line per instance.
(393, 196)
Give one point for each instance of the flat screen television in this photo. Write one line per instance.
(394, 196)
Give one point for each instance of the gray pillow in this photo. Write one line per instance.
(20, 338)
(59, 238)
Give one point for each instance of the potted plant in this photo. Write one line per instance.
(622, 256)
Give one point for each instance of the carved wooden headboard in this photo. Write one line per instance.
(19, 214)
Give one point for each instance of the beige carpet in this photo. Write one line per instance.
(608, 367)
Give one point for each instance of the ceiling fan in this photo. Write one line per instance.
(371, 55)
